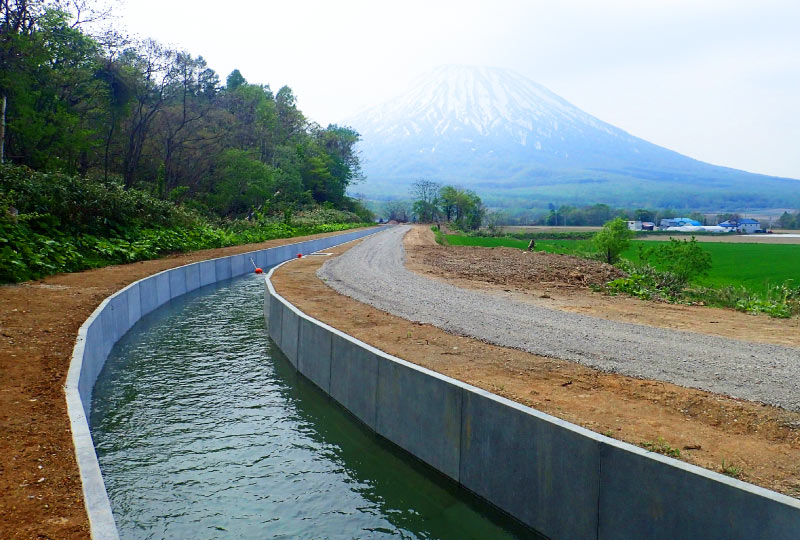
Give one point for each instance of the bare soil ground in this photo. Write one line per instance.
(564, 287)
(509, 266)
(707, 428)
(40, 488)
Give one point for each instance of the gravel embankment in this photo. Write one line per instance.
(373, 272)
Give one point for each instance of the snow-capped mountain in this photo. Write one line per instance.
(498, 132)
(477, 105)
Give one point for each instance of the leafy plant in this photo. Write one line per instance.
(684, 259)
(612, 240)
(731, 470)
(661, 446)
(441, 239)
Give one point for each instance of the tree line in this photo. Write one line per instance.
(434, 202)
(789, 221)
(599, 214)
(157, 118)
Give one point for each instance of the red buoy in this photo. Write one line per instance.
(259, 271)
(299, 255)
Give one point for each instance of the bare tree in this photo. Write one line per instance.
(397, 211)
(426, 199)
(157, 69)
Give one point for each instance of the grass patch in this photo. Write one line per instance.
(731, 470)
(660, 446)
(564, 247)
(440, 238)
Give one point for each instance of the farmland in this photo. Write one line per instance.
(754, 266)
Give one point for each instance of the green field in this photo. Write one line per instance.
(754, 266)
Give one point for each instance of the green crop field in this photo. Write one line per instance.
(754, 266)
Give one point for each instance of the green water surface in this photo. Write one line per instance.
(205, 431)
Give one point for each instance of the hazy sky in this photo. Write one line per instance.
(717, 80)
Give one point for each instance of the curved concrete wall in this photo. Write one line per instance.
(115, 316)
(560, 479)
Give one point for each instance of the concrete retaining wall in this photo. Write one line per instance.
(116, 315)
(560, 479)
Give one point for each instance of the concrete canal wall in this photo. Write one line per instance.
(560, 479)
(116, 315)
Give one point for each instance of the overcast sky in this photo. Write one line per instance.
(717, 80)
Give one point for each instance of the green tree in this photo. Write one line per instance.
(234, 80)
(612, 240)
(241, 183)
(156, 117)
(789, 221)
(460, 206)
(448, 201)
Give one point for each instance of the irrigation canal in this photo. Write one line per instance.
(204, 430)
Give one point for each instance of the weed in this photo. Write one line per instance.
(441, 239)
(660, 446)
(731, 470)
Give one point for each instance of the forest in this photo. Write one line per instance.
(93, 119)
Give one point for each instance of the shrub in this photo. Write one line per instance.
(684, 259)
(612, 240)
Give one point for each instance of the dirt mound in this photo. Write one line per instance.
(508, 266)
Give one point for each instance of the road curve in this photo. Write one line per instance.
(373, 272)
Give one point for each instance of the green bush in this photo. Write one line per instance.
(320, 215)
(684, 259)
(83, 205)
(645, 282)
(780, 301)
(25, 254)
(52, 223)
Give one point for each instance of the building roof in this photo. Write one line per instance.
(687, 221)
(736, 223)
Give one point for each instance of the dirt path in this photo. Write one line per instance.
(707, 428)
(373, 273)
(40, 490)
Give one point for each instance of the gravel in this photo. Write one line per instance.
(373, 272)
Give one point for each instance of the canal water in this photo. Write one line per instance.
(204, 431)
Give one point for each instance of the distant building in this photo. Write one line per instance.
(744, 225)
(648, 225)
(635, 225)
(749, 226)
(678, 222)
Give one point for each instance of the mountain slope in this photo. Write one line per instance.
(519, 144)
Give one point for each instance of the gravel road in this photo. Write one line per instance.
(373, 272)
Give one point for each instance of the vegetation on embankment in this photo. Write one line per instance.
(120, 150)
(748, 277)
(52, 222)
